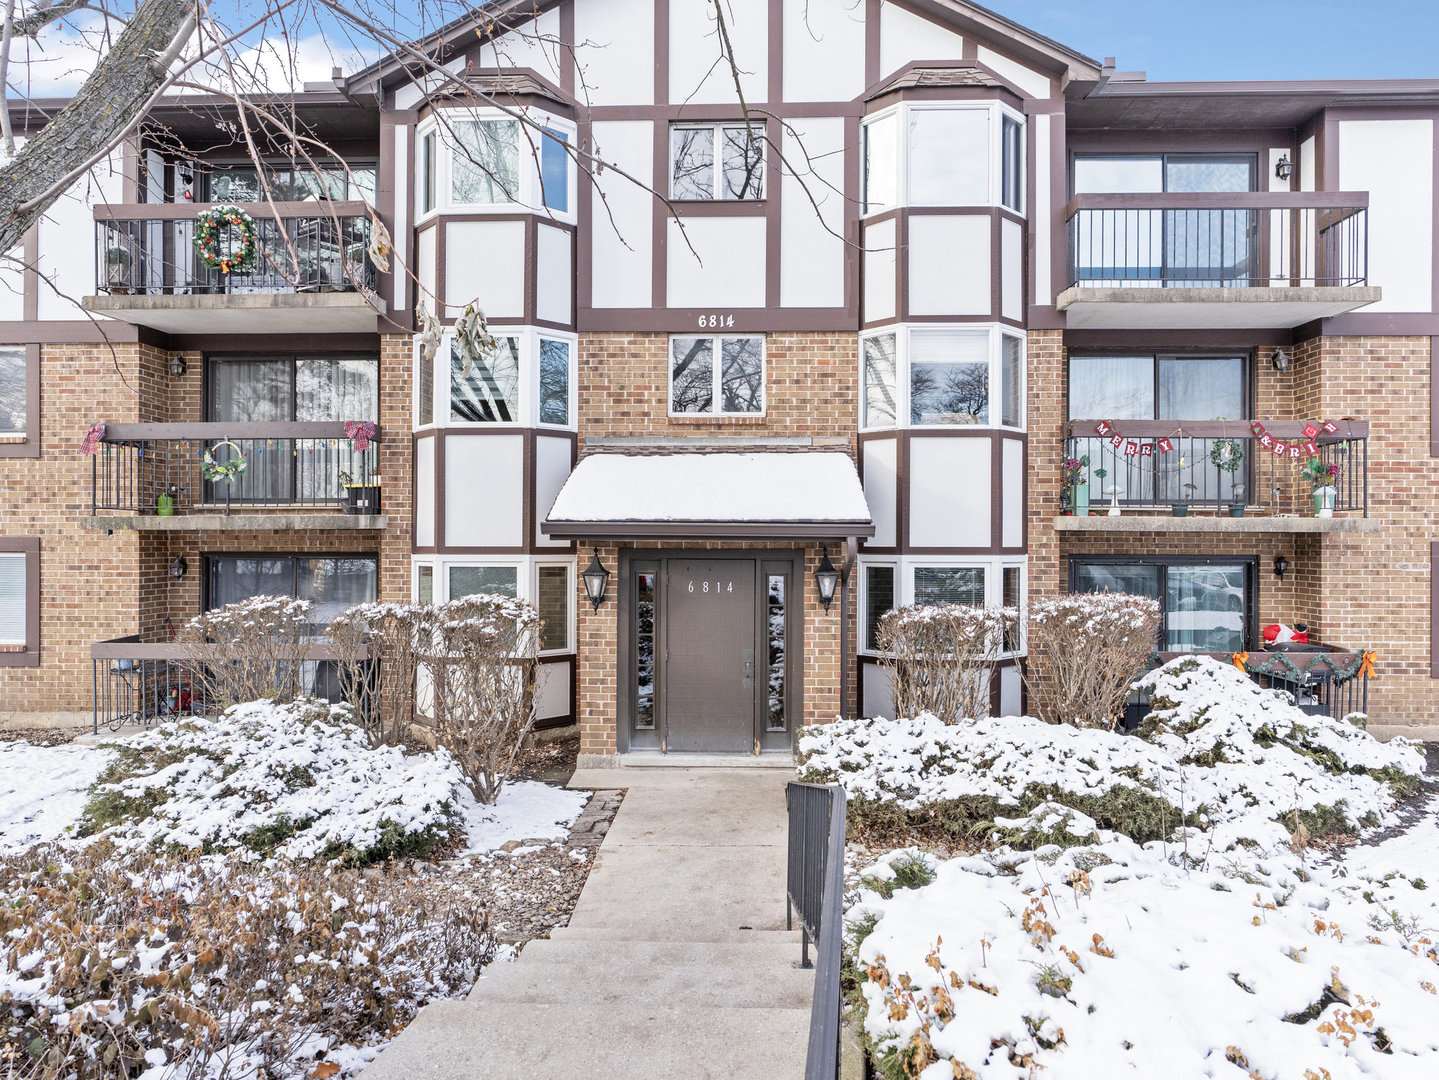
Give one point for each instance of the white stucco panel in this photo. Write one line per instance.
(823, 50)
(1034, 83)
(485, 261)
(878, 697)
(881, 489)
(484, 490)
(622, 233)
(67, 241)
(1393, 160)
(695, 76)
(1039, 223)
(949, 264)
(949, 492)
(879, 270)
(615, 51)
(1011, 283)
(552, 690)
(1012, 526)
(554, 274)
(425, 243)
(425, 493)
(726, 267)
(404, 184)
(812, 249)
(904, 37)
(535, 45)
(552, 469)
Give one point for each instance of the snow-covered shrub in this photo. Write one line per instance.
(1220, 753)
(217, 968)
(1085, 651)
(940, 657)
(484, 669)
(381, 687)
(298, 780)
(1115, 959)
(249, 650)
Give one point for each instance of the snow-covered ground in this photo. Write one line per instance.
(226, 778)
(1226, 949)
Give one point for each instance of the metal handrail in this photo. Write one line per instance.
(815, 890)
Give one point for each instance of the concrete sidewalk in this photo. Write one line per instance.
(676, 962)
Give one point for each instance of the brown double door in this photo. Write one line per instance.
(710, 653)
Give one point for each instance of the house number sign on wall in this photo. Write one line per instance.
(716, 321)
(705, 586)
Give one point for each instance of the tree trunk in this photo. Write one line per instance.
(96, 120)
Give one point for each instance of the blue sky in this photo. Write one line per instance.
(1244, 39)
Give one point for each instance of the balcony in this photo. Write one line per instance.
(313, 273)
(1275, 495)
(1180, 261)
(148, 477)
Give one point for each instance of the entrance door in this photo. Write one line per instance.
(709, 674)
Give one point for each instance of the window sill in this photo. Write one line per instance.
(21, 656)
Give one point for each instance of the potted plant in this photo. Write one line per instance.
(1099, 474)
(1075, 485)
(1322, 476)
(361, 498)
(1181, 509)
(117, 270)
(165, 503)
(1225, 455)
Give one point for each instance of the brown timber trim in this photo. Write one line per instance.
(660, 319)
(1433, 398)
(871, 41)
(1434, 611)
(30, 446)
(661, 55)
(309, 344)
(30, 252)
(1180, 340)
(709, 530)
(187, 211)
(29, 546)
(567, 68)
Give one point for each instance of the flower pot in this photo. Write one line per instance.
(362, 498)
(1179, 509)
(165, 506)
(1324, 502)
(1081, 500)
(1236, 509)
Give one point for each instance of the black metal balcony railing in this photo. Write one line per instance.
(1187, 473)
(158, 468)
(303, 247)
(136, 682)
(1217, 240)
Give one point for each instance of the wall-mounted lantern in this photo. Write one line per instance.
(596, 578)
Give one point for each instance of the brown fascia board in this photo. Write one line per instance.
(496, 17)
(972, 19)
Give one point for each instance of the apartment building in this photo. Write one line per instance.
(764, 369)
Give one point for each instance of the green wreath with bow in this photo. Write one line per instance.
(212, 470)
(233, 258)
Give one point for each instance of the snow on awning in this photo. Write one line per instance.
(707, 496)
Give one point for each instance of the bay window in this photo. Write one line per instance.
(478, 159)
(886, 584)
(969, 154)
(717, 161)
(547, 585)
(473, 580)
(716, 376)
(527, 380)
(1206, 605)
(966, 376)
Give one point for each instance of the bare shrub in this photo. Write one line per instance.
(1085, 651)
(940, 657)
(378, 648)
(249, 651)
(483, 671)
(221, 969)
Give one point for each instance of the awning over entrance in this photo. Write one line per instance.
(710, 496)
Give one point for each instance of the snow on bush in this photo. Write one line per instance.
(1085, 649)
(940, 657)
(1219, 752)
(1116, 959)
(297, 780)
(135, 964)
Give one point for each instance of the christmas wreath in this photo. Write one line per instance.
(211, 469)
(235, 257)
(1226, 454)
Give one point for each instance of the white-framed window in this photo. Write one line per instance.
(527, 381)
(943, 154)
(14, 394)
(969, 374)
(716, 376)
(547, 583)
(485, 159)
(717, 161)
(888, 582)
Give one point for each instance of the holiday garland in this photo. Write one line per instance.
(232, 259)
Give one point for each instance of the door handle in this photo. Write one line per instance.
(748, 667)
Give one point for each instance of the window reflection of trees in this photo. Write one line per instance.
(775, 637)
(949, 393)
(741, 375)
(691, 375)
(490, 393)
(645, 651)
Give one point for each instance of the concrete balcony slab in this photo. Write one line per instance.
(1146, 308)
(1208, 523)
(281, 521)
(244, 313)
